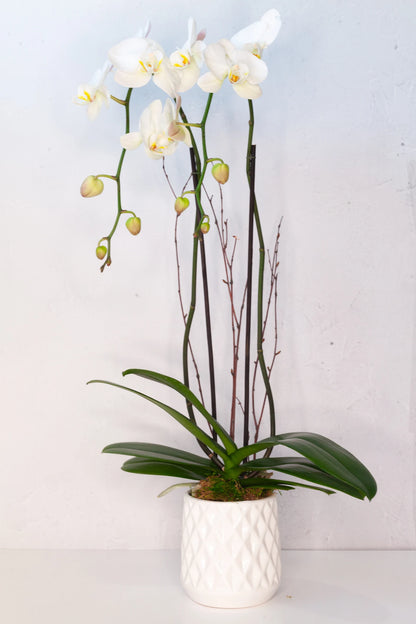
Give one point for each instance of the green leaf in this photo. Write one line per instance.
(196, 469)
(158, 451)
(166, 469)
(324, 453)
(275, 484)
(180, 418)
(184, 391)
(266, 484)
(303, 469)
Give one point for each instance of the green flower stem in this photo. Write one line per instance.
(116, 99)
(260, 288)
(105, 175)
(126, 104)
(198, 177)
(194, 145)
(189, 125)
(215, 160)
(207, 307)
(251, 161)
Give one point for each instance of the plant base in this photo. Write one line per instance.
(230, 552)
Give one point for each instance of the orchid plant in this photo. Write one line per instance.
(226, 470)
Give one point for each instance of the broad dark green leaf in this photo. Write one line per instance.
(202, 471)
(184, 391)
(162, 468)
(276, 484)
(180, 418)
(269, 487)
(140, 449)
(303, 469)
(324, 453)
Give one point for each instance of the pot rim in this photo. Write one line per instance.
(203, 500)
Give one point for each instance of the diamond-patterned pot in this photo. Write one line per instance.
(230, 551)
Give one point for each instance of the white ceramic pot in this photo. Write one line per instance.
(230, 551)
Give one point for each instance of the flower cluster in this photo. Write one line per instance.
(136, 61)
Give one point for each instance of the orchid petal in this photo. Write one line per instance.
(152, 154)
(144, 32)
(247, 90)
(126, 54)
(191, 33)
(178, 132)
(216, 59)
(259, 34)
(168, 114)
(197, 51)
(126, 79)
(209, 83)
(101, 97)
(166, 79)
(187, 140)
(149, 121)
(93, 110)
(188, 77)
(101, 74)
(272, 23)
(131, 140)
(257, 68)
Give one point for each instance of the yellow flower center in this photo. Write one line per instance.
(151, 64)
(237, 74)
(86, 97)
(160, 143)
(180, 60)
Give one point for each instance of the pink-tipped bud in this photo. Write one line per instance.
(134, 225)
(221, 172)
(92, 186)
(101, 252)
(181, 204)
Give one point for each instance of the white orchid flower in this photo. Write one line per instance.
(187, 61)
(259, 35)
(94, 94)
(243, 70)
(158, 131)
(137, 60)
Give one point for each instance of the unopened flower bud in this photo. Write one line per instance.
(101, 252)
(205, 227)
(92, 186)
(181, 204)
(134, 225)
(221, 172)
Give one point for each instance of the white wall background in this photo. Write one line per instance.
(336, 137)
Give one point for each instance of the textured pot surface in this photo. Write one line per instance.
(230, 551)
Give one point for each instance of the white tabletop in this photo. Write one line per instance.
(142, 587)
